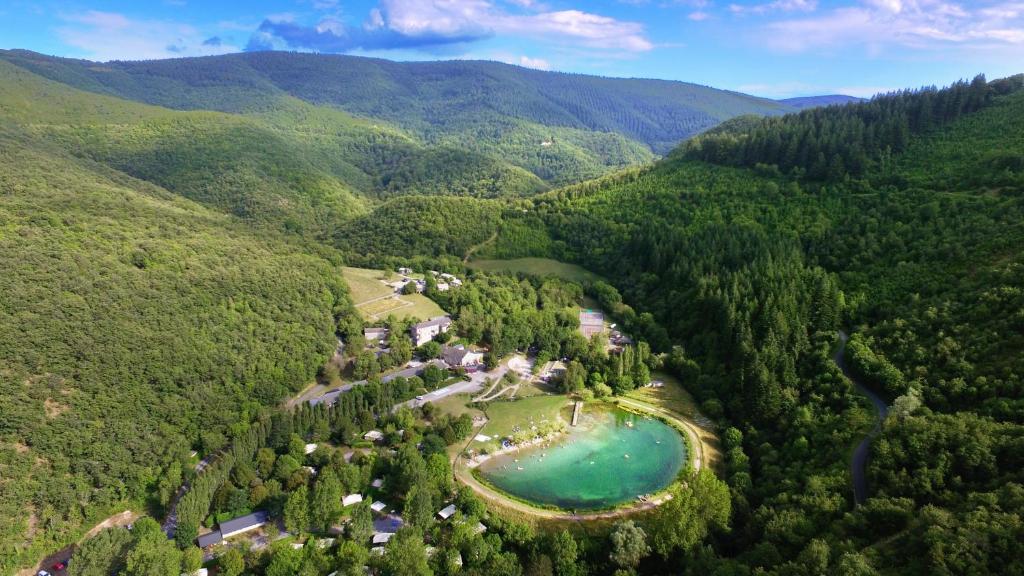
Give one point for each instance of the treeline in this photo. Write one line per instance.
(835, 142)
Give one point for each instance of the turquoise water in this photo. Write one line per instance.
(588, 468)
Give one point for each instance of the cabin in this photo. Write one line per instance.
(447, 512)
(351, 499)
(375, 334)
(373, 436)
(309, 449)
(426, 331)
(378, 506)
(243, 524)
(377, 483)
(381, 538)
(462, 356)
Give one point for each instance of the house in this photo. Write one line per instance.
(377, 483)
(243, 524)
(382, 537)
(375, 334)
(378, 506)
(443, 287)
(462, 356)
(374, 436)
(310, 448)
(351, 499)
(405, 271)
(426, 331)
(447, 512)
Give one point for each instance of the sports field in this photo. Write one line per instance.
(537, 267)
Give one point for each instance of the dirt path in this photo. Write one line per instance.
(474, 249)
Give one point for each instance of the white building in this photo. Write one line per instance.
(426, 331)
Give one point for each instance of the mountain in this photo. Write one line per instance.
(804, 102)
(563, 128)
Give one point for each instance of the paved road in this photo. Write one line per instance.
(332, 396)
(475, 384)
(859, 462)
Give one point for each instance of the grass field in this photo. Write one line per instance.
(376, 300)
(504, 417)
(671, 397)
(537, 267)
(364, 284)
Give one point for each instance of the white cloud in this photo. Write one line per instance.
(775, 6)
(921, 24)
(698, 16)
(538, 63)
(112, 36)
(476, 18)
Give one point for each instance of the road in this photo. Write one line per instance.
(859, 462)
(475, 383)
(317, 395)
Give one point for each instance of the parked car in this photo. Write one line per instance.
(43, 573)
(59, 566)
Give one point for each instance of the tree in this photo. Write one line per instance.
(429, 350)
(350, 559)
(152, 553)
(185, 533)
(360, 529)
(101, 555)
(698, 505)
(231, 563)
(419, 506)
(564, 554)
(191, 560)
(629, 544)
(406, 555)
(296, 510)
(325, 506)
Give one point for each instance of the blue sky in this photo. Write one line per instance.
(773, 48)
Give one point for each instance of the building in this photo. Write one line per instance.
(243, 524)
(426, 331)
(209, 539)
(377, 483)
(405, 271)
(351, 499)
(310, 448)
(461, 356)
(591, 323)
(375, 334)
(381, 538)
(447, 512)
(374, 436)
(378, 506)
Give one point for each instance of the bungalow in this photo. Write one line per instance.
(426, 331)
(378, 506)
(374, 436)
(405, 271)
(351, 499)
(243, 524)
(377, 483)
(310, 448)
(462, 356)
(382, 537)
(447, 512)
(375, 334)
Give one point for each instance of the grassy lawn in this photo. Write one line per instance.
(366, 288)
(365, 284)
(455, 406)
(503, 417)
(670, 397)
(537, 267)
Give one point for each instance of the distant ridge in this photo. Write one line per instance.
(804, 102)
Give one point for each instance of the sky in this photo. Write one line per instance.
(771, 48)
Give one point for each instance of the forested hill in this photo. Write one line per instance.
(457, 102)
(137, 326)
(803, 102)
(749, 272)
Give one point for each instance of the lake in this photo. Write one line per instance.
(611, 457)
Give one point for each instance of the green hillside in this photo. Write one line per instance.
(752, 271)
(136, 326)
(594, 124)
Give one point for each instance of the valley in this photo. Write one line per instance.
(375, 299)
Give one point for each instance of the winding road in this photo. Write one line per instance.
(859, 462)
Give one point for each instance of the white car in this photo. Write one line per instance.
(43, 573)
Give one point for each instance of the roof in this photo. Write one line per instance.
(378, 506)
(377, 482)
(373, 435)
(310, 448)
(447, 512)
(209, 539)
(382, 537)
(243, 522)
(454, 355)
(351, 499)
(439, 321)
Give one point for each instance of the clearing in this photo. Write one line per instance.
(537, 267)
(376, 300)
